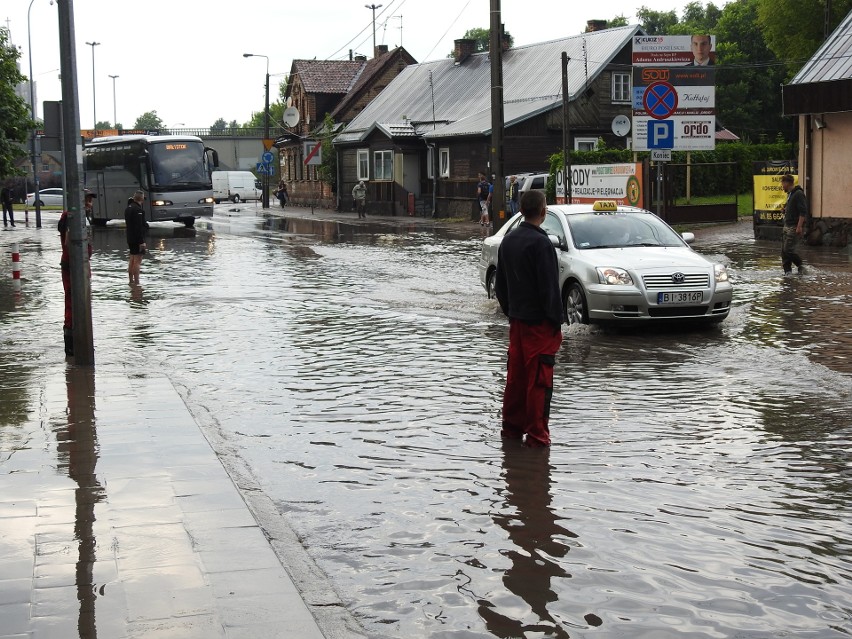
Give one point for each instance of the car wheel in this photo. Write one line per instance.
(99, 221)
(490, 282)
(236, 198)
(576, 311)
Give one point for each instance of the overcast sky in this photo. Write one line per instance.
(183, 58)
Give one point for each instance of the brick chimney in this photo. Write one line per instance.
(464, 48)
(505, 45)
(595, 25)
(381, 49)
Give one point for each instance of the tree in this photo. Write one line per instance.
(795, 30)
(656, 22)
(617, 21)
(482, 37)
(15, 122)
(219, 126)
(148, 121)
(104, 124)
(327, 171)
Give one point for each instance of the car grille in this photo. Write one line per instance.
(676, 311)
(657, 282)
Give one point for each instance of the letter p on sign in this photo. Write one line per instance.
(660, 134)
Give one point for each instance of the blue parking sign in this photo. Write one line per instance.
(660, 134)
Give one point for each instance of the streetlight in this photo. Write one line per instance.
(265, 125)
(374, 7)
(114, 116)
(94, 105)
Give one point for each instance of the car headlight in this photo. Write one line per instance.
(721, 272)
(206, 200)
(612, 275)
(161, 203)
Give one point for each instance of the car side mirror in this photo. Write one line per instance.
(554, 239)
(689, 238)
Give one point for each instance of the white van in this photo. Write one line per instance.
(236, 186)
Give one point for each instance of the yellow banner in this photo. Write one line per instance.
(768, 194)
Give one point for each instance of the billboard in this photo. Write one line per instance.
(674, 50)
(591, 182)
(769, 197)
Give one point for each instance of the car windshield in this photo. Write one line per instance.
(616, 229)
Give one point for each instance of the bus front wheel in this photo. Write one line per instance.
(236, 198)
(99, 221)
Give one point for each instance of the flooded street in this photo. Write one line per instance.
(699, 481)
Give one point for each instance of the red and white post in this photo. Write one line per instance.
(16, 267)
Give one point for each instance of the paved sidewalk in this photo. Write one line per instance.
(118, 519)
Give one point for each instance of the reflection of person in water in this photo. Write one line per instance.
(77, 446)
(536, 536)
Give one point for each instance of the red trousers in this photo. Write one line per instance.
(529, 381)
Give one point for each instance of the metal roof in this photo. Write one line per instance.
(833, 60)
(460, 94)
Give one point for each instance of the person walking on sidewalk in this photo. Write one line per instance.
(795, 216)
(359, 194)
(134, 217)
(8, 205)
(527, 288)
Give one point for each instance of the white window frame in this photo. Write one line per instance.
(593, 142)
(382, 164)
(444, 158)
(430, 162)
(618, 85)
(363, 162)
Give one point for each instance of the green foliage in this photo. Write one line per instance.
(617, 21)
(794, 30)
(218, 126)
(656, 22)
(15, 122)
(148, 121)
(104, 124)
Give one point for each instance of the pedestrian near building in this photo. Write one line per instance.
(8, 205)
(512, 195)
(359, 195)
(795, 217)
(134, 217)
(282, 194)
(527, 288)
(484, 189)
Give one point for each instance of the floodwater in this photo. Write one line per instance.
(699, 481)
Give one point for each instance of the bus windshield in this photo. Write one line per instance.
(178, 164)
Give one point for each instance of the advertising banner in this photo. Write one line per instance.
(591, 182)
(769, 197)
(674, 50)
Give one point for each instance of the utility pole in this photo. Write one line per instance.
(34, 134)
(94, 95)
(265, 194)
(374, 7)
(566, 130)
(498, 199)
(81, 300)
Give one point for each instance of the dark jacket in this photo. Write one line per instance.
(134, 216)
(527, 280)
(796, 206)
(6, 195)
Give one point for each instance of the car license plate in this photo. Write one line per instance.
(680, 297)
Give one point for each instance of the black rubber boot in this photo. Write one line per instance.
(69, 342)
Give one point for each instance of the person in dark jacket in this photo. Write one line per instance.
(8, 205)
(134, 217)
(795, 216)
(527, 288)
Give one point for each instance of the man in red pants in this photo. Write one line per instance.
(527, 287)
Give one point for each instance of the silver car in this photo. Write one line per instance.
(46, 197)
(620, 264)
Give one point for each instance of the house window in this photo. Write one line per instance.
(363, 164)
(445, 162)
(585, 144)
(383, 165)
(45, 168)
(430, 162)
(621, 87)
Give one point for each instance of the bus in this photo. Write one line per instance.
(174, 172)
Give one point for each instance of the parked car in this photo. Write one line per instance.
(533, 182)
(46, 197)
(621, 264)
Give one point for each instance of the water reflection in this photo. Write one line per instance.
(538, 541)
(78, 451)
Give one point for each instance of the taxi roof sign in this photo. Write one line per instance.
(605, 205)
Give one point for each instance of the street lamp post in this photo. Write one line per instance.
(265, 125)
(374, 7)
(36, 181)
(94, 95)
(114, 116)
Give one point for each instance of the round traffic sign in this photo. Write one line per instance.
(268, 157)
(660, 100)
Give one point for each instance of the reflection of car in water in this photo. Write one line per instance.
(620, 264)
(173, 171)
